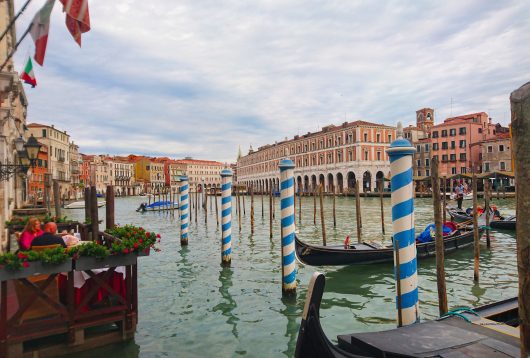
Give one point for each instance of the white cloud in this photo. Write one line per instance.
(200, 78)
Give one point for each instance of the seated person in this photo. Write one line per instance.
(69, 240)
(31, 231)
(49, 237)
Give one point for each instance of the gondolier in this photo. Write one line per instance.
(459, 190)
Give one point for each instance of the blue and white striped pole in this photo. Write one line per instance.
(184, 208)
(401, 153)
(226, 217)
(288, 228)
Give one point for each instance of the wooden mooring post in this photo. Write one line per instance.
(252, 210)
(238, 208)
(322, 221)
(270, 211)
(334, 209)
(216, 209)
(444, 198)
(314, 206)
(381, 188)
(440, 265)
(109, 207)
(358, 211)
(87, 204)
(299, 207)
(243, 202)
(262, 205)
(94, 221)
(205, 205)
(476, 238)
(520, 107)
(196, 203)
(57, 198)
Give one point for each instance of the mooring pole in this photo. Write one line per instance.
(487, 208)
(299, 206)
(314, 206)
(334, 209)
(216, 208)
(381, 188)
(196, 203)
(476, 238)
(87, 204)
(288, 227)
(444, 207)
(358, 212)
(184, 208)
(252, 209)
(520, 106)
(243, 200)
(226, 217)
(262, 192)
(56, 198)
(238, 198)
(94, 213)
(400, 153)
(109, 207)
(270, 211)
(440, 266)
(322, 221)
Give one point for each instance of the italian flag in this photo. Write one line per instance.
(28, 76)
(39, 30)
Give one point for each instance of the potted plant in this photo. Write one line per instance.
(95, 256)
(27, 263)
(133, 239)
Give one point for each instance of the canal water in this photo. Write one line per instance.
(189, 306)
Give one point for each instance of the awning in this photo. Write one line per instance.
(421, 178)
(496, 174)
(460, 176)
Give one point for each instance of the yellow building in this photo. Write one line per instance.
(150, 173)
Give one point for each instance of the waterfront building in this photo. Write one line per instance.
(453, 142)
(37, 176)
(149, 173)
(496, 156)
(13, 110)
(58, 143)
(84, 175)
(336, 156)
(123, 172)
(172, 173)
(419, 137)
(75, 171)
(201, 173)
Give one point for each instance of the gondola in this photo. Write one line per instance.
(486, 331)
(370, 253)
(459, 215)
(504, 224)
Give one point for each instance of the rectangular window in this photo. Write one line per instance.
(378, 155)
(418, 147)
(480, 130)
(486, 167)
(389, 138)
(453, 157)
(434, 157)
(444, 132)
(378, 138)
(490, 148)
(435, 146)
(426, 147)
(44, 133)
(462, 170)
(452, 132)
(444, 145)
(453, 170)
(427, 162)
(503, 165)
(462, 157)
(453, 144)
(501, 148)
(435, 134)
(366, 137)
(418, 163)
(462, 130)
(462, 144)
(444, 158)
(427, 172)
(365, 155)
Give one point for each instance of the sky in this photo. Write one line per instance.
(202, 78)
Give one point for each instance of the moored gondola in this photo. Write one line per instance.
(369, 253)
(504, 224)
(460, 216)
(486, 331)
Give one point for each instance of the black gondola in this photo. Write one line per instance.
(460, 216)
(487, 331)
(504, 224)
(369, 253)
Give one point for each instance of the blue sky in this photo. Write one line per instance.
(200, 78)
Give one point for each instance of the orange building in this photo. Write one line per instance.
(36, 179)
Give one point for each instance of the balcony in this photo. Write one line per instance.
(61, 159)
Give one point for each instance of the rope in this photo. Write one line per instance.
(459, 313)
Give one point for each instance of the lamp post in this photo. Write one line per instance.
(27, 154)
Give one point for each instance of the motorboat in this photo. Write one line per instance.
(81, 204)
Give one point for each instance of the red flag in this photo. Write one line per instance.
(39, 30)
(77, 17)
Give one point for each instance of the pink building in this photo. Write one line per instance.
(451, 142)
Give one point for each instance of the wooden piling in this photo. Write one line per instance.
(334, 210)
(56, 198)
(190, 200)
(322, 221)
(196, 204)
(243, 204)
(381, 188)
(498, 193)
(238, 209)
(440, 266)
(314, 206)
(444, 198)
(476, 237)
(262, 195)
(252, 210)
(109, 208)
(358, 211)
(520, 107)
(270, 212)
(94, 220)
(87, 204)
(300, 207)
(205, 206)
(487, 208)
(273, 207)
(216, 209)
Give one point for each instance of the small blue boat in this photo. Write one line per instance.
(158, 206)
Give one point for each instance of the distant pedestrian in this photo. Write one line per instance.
(347, 242)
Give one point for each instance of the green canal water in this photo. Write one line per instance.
(189, 306)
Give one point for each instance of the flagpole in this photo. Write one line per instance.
(16, 47)
(14, 19)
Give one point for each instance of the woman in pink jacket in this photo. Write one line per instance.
(31, 231)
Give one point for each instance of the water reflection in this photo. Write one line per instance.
(292, 313)
(229, 304)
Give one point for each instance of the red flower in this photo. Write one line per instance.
(21, 255)
(141, 229)
(158, 236)
(140, 241)
(159, 241)
(25, 264)
(135, 245)
(125, 251)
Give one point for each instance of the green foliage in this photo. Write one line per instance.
(132, 239)
(90, 249)
(54, 256)
(23, 220)
(22, 259)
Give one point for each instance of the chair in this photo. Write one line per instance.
(45, 247)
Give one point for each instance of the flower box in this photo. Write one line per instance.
(35, 268)
(89, 263)
(145, 252)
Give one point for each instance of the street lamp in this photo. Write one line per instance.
(27, 154)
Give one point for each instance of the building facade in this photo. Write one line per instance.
(336, 156)
(36, 178)
(201, 173)
(496, 154)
